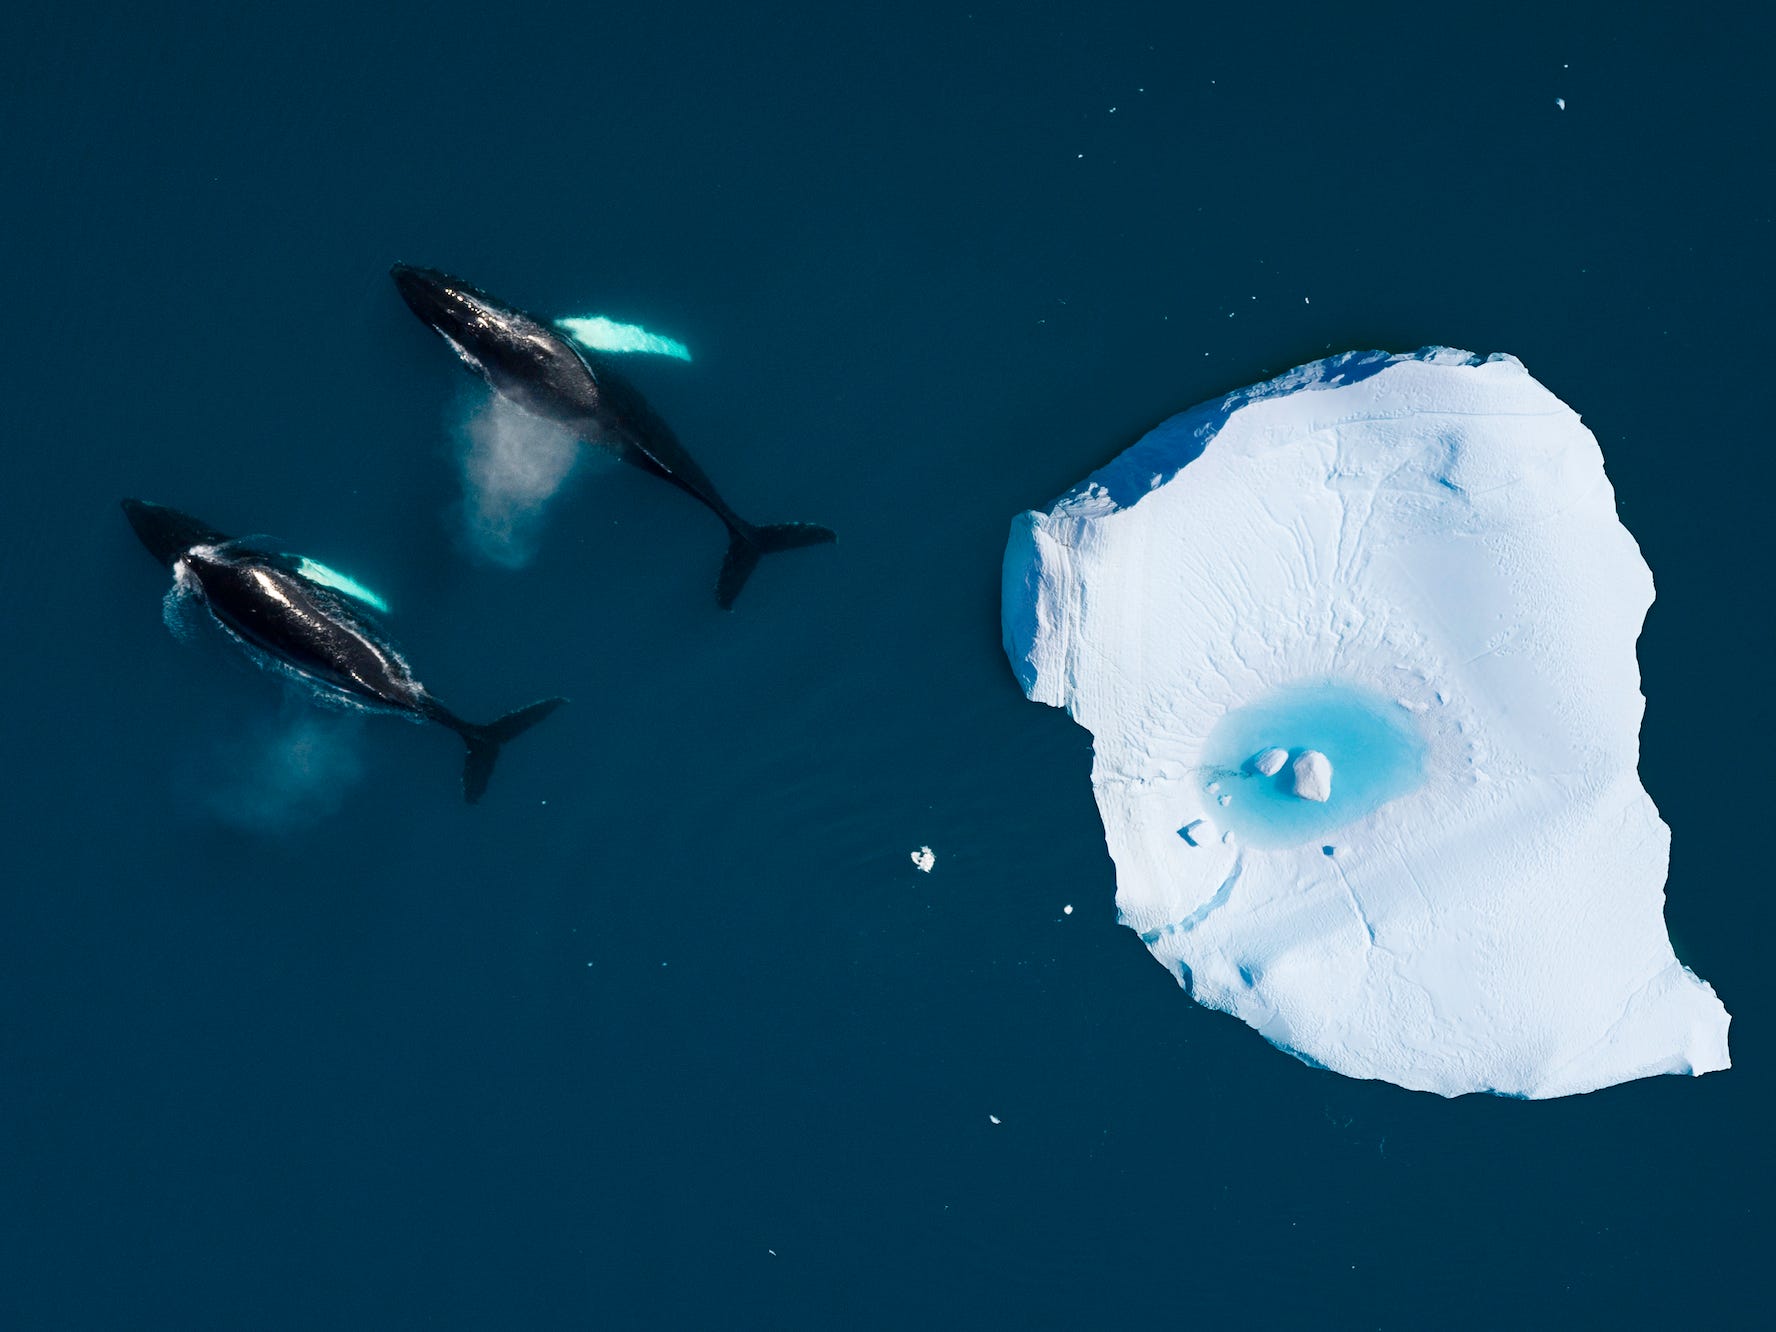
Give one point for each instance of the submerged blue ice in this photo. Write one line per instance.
(1377, 755)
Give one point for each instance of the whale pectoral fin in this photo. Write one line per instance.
(749, 543)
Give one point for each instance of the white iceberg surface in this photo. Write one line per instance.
(1270, 762)
(1410, 567)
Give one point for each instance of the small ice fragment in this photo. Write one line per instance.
(1188, 831)
(1560, 102)
(1313, 776)
(1067, 910)
(1270, 762)
(992, 1119)
(924, 858)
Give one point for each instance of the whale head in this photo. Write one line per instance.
(490, 337)
(167, 533)
(440, 300)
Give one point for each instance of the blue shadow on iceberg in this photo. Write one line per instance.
(1178, 441)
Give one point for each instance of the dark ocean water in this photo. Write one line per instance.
(669, 1032)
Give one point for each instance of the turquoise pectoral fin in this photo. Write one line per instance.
(596, 333)
(316, 572)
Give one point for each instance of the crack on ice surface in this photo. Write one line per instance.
(1356, 904)
(1427, 541)
(1202, 913)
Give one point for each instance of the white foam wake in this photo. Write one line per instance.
(284, 773)
(513, 464)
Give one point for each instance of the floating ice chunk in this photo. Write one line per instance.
(993, 1119)
(1313, 776)
(1270, 762)
(1067, 910)
(1560, 102)
(1412, 565)
(924, 858)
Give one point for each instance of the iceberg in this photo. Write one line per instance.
(1270, 762)
(1356, 649)
(1313, 777)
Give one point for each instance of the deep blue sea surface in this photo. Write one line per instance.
(669, 1031)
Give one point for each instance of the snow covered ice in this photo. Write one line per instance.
(1313, 776)
(1406, 574)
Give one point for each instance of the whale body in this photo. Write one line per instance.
(311, 622)
(532, 364)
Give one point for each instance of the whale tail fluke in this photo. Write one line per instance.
(749, 543)
(484, 743)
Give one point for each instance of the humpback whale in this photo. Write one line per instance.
(528, 362)
(302, 617)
